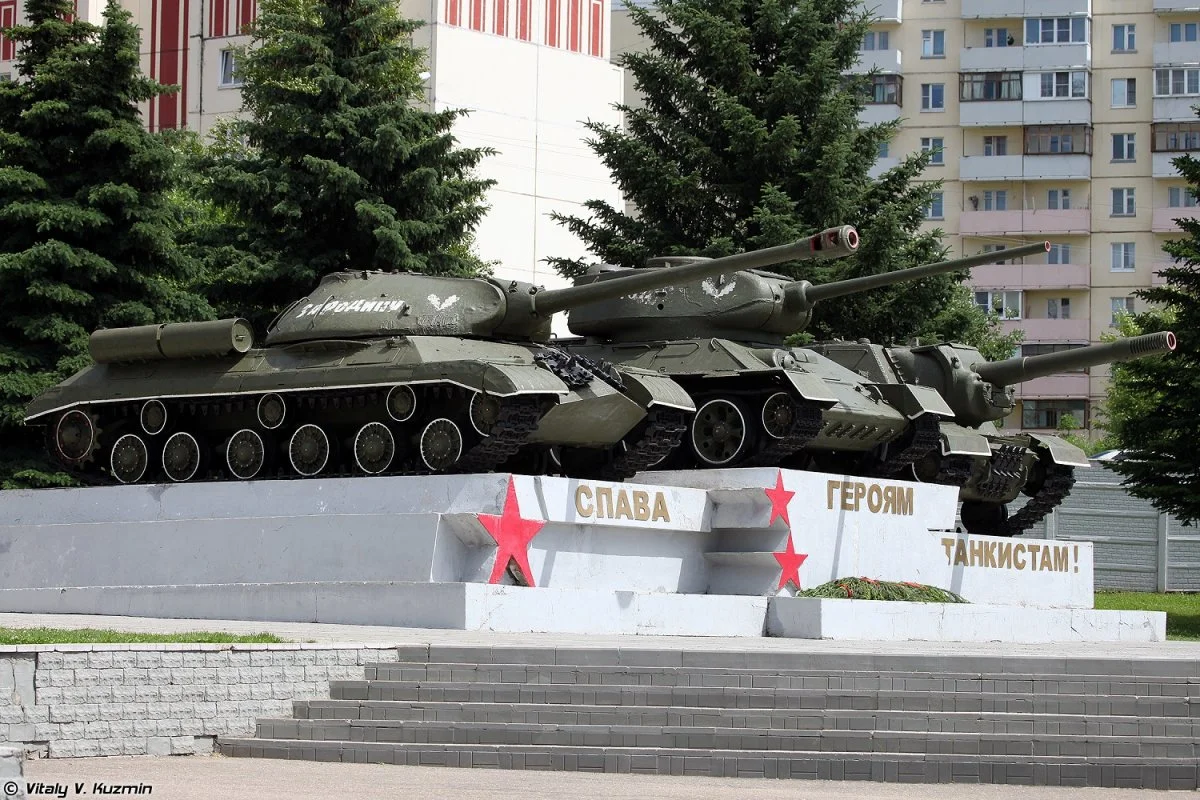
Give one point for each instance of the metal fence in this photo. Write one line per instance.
(1137, 547)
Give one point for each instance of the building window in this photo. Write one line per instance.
(933, 96)
(995, 145)
(995, 200)
(1064, 84)
(998, 37)
(936, 208)
(1181, 197)
(5, 77)
(1176, 82)
(1175, 137)
(1123, 39)
(1059, 254)
(1061, 30)
(1058, 308)
(1042, 349)
(1122, 256)
(1123, 148)
(885, 90)
(1045, 139)
(1183, 31)
(934, 146)
(1051, 413)
(229, 76)
(1005, 304)
(1122, 203)
(1058, 200)
(875, 40)
(1124, 92)
(996, 248)
(882, 151)
(933, 44)
(989, 86)
(1120, 306)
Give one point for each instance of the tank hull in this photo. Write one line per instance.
(376, 406)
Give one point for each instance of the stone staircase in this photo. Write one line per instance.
(840, 716)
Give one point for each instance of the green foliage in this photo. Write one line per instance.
(86, 228)
(749, 137)
(868, 589)
(9, 636)
(1153, 406)
(337, 165)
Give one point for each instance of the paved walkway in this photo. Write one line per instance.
(196, 777)
(355, 634)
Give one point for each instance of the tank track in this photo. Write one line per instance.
(805, 426)
(926, 435)
(1058, 483)
(518, 418)
(954, 471)
(1006, 466)
(662, 433)
(577, 371)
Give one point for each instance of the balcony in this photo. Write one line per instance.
(1058, 56)
(993, 113)
(1175, 109)
(882, 60)
(1002, 9)
(1175, 6)
(991, 168)
(885, 10)
(1049, 330)
(991, 59)
(1176, 54)
(1058, 166)
(1066, 384)
(876, 113)
(1161, 166)
(1032, 276)
(1059, 111)
(881, 166)
(1164, 218)
(1030, 221)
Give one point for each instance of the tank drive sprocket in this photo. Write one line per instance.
(802, 427)
(516, 419)
(924, 438)
(659, 435)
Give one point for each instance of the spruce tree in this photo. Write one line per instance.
(343, 167)
(86, 233)
(1153, 406)
(749, 137)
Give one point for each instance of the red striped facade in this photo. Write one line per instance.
(230, 17)
(8, 18)
(169, 23)
(576, 25)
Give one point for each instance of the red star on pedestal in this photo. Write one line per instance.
(512, 534)
(779, 498)
(790, 561)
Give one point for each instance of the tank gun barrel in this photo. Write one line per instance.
(1026, 368)
(802, 295)
(829, 243)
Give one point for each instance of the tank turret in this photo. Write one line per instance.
(349, 305)
(698, 297)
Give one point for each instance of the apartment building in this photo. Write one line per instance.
(1057, 120)
(530, 72)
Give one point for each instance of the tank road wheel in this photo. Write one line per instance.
(74, 436)
(441, 444)
(308, 450)
(719, 432)
(245, 454)
(401, 403)
(374, 447)
(271, 411)
(153, 417)
(485, 412)
(129, 459)
(778, 414)
(985, 519)
(181, 457)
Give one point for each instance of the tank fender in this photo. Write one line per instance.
(1061, 451)
(650, 389)
(912, 401)
(501, 380)
(810, 387)
(960, 441)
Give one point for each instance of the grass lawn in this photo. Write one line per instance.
(94, 636)
(1183, 610)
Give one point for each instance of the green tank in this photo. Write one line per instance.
(760, 402)
(375, 373)
(992, 468)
